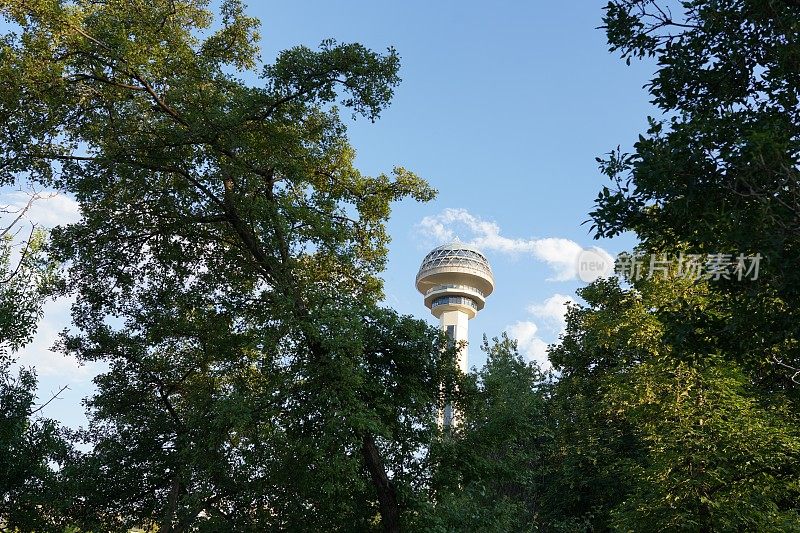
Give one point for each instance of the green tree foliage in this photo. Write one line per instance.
(26, 276)
(720, 171)
(225, 267)
(675, 409)
(660, 430)
(490, 470)
(30, 445)
(226, 272)
(260, 444)
(696, 383)
(33, 449)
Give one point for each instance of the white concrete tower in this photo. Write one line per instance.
(455, 280)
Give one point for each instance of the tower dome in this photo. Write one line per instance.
(455, 276)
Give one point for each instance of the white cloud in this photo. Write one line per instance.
(529, 343)
(55, 370)
(39, 354)
(436, 229)
(552, 311)
(560, 254)
(50, 210)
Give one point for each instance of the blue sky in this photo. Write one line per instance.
(501, 109)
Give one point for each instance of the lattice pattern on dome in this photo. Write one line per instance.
(445, 257)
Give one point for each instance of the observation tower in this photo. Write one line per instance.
(455, 280)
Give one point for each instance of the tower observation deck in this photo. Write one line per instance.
(455, 280)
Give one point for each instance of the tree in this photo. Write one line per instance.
(677, 426)
(26, 274)
(227, 254)
(720, 172)
(259, 444)
(490, 472)
(34, 447)
(698, 380)
(30, 443)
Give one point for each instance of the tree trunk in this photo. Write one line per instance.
(387, 494)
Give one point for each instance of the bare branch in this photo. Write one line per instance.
(22, 256)
(52, 397)
(796, 377)
(21, 212)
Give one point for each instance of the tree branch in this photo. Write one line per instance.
(53, 397)
(796, 377)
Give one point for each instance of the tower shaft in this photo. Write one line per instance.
(455, 325)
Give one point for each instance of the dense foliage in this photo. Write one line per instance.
(30, 443)
(224, 267)
(489, 472)
(698, 383)
(664, 429)
(226, 272)
(718, 174)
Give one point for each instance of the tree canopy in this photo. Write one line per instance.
(226, 272)
(224, 266)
